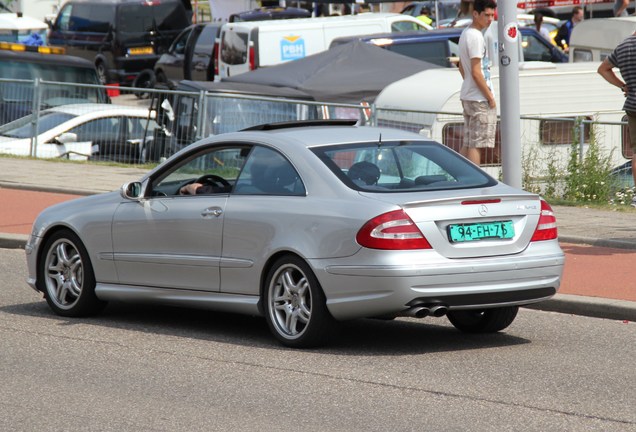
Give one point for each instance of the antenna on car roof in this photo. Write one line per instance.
(380, 140)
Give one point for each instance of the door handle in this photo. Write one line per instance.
(212, 211)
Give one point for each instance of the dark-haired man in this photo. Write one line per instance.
(477, 95)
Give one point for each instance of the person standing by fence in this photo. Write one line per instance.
(624, 58)
(477, 95)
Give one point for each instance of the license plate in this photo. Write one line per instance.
(140, 50)
(480, 231)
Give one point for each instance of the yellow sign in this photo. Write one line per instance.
(140, 50)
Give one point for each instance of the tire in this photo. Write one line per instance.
(484, 320)
(162, 80)
(296, 308)
(66, 277)
(145, 80)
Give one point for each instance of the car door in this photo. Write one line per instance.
(173, 62)
(168, 240)
(201, 63)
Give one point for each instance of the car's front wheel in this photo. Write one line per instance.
(66, 277)
(296, 306)
(483, 320)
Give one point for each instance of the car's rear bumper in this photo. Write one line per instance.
(355, 291)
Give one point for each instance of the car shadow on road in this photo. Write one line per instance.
(361, 337)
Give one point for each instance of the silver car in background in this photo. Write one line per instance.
(305, 224)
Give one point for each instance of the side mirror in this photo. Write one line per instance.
(65, 138)
(131, 190)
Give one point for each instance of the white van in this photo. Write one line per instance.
(593, 40)
(245, 46)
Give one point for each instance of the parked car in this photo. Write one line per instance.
(190, 56)
(305, 224)
(81, 131)
(441, 46)
(26, 63)
(122, 38)
(622, 177)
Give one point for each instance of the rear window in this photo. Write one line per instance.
(145, 17)
(436, 52)
(404, 166)
(234, 48)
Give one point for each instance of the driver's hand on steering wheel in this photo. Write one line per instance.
(190, 189)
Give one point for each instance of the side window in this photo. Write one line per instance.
(104, 129)
(534, 49)
(558, 132)
(179, 45)
(136, 127)
(64, 18)
(404, 26)
(216, 168)
(93, 18)
(582, 55)
(268, 173)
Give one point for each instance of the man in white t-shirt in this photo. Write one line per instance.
(477, 95)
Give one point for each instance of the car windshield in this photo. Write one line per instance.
(403, 166)
(22, 127)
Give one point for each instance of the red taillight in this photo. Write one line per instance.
(392, 231)
(546, 228)
(215, 59)
(252, 58)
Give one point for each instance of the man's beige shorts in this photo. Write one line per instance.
(631, 124)
(480, 124)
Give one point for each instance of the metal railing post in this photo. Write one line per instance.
(37, 98)
(581, 137)
(201, 115)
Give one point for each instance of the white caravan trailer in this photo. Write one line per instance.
(593, 40)
(552, 94)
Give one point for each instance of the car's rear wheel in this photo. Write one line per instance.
(483, 320)
(66, 277)
(296, 312)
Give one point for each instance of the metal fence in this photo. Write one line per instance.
(53, 119)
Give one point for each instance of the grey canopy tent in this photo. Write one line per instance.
(348, 73)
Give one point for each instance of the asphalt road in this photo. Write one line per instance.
(164, 369)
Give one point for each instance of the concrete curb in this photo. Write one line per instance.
(609, 243)
(589, 306)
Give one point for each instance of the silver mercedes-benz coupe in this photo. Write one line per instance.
(305, 224)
